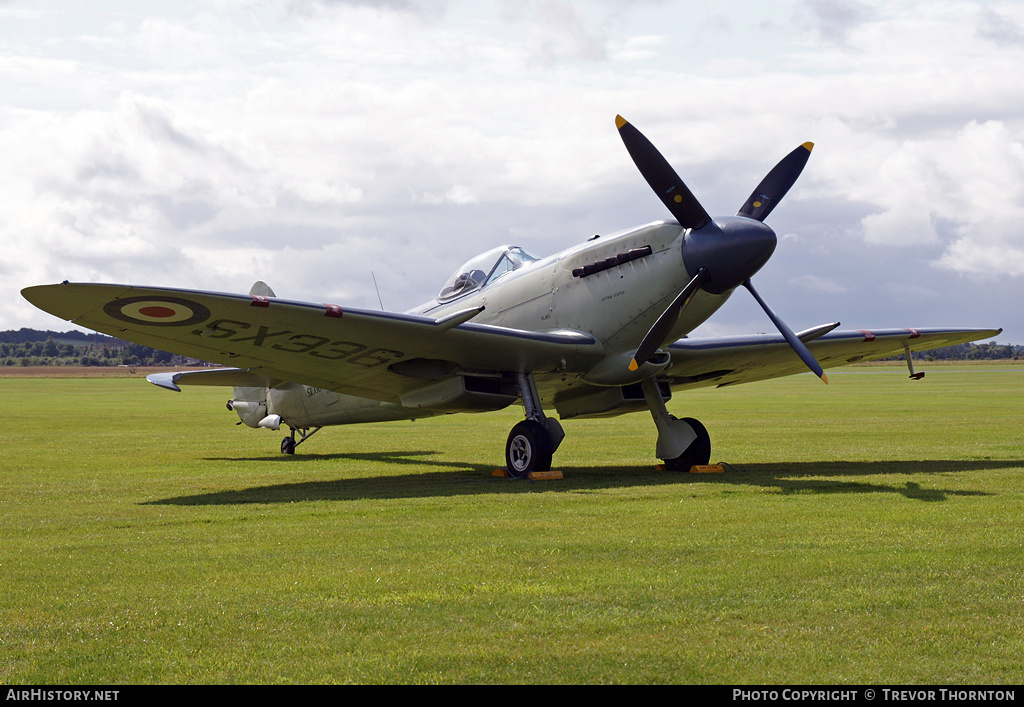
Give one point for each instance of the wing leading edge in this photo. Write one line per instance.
(725, 361)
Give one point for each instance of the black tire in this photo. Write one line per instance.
(697, 454)
(528, 449)
(287, 446)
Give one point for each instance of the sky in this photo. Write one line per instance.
(324, 146)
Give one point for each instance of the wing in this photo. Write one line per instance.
(744, 359)
(370, 354)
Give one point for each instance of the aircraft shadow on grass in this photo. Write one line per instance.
(461, 479)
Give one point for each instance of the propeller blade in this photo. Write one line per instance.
(656, 336)
(787, 333)
(662, 178)
(775, 185)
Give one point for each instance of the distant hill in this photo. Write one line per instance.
(26, 335)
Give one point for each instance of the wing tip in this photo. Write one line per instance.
(165, 380)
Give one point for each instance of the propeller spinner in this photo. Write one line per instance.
(724, 254)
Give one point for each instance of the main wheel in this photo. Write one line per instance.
(528, 449)
(287, 446)
(697, 454)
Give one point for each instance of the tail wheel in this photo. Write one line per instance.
(697, 454)
(288, 445)
(528, 449)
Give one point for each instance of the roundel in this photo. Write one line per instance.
(157, 311)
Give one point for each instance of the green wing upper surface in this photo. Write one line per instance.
(370, 354)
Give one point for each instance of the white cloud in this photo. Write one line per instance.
(458, 195)
(972, 179)
(309, 143)
(985, 260)
(901, 224)
(834, 20)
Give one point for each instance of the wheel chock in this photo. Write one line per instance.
(502, 472)
(544, 475)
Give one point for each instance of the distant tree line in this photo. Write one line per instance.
(32, 347)
(972, 352)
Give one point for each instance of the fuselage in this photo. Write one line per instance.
(612, 287)
(617, 304)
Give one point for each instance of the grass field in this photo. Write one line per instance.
(871, 531)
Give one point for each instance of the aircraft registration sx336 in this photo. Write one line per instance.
(592, 331)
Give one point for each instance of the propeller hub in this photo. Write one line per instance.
(731, 249)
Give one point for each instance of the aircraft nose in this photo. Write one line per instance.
(731, 249)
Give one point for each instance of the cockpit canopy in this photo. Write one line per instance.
(485, 269)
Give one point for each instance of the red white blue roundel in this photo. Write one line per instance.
(157, 311)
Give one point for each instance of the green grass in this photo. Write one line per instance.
(868, 532)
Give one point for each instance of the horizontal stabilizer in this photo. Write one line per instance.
(230, 377)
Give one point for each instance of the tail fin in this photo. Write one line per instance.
(261, 289)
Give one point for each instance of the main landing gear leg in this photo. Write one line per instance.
(681, 443)
(289, 443)
(532, 442)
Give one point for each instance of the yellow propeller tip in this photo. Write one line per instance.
(824, 379)
(619, 122)
(633, 365)
(808, 146)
